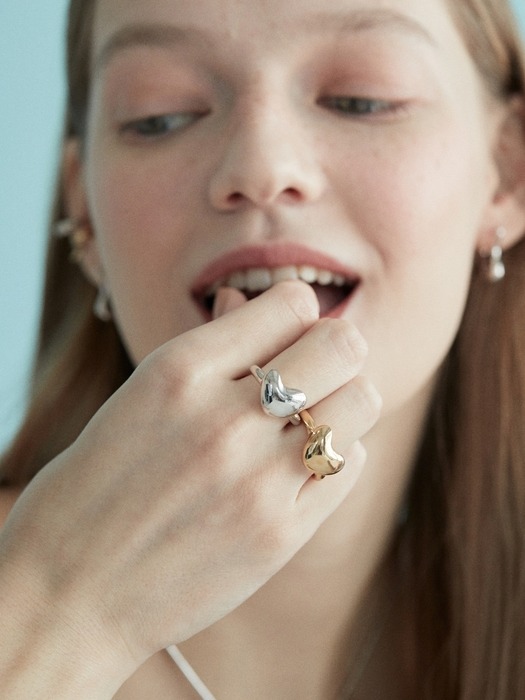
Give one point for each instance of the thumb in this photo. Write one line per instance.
(227, 299)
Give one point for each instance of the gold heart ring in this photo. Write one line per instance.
(278, 400)
(318, 454)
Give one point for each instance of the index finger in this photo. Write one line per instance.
(257, 330)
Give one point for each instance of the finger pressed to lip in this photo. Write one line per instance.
(254, 331)
(324, 359)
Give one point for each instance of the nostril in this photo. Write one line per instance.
(268, 196)
(292, 193)
(235, 198)
(263, 196)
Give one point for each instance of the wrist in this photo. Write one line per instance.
(46, 651)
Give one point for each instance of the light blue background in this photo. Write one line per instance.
(31, 93)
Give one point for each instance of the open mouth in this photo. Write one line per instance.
(332, 289)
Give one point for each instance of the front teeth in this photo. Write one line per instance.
(258, 279)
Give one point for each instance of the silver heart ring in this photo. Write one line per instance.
(277, 399)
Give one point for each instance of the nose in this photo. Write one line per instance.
(268, 158)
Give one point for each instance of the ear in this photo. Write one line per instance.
(77, 209)
(507, 208)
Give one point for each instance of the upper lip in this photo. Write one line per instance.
(269, 256)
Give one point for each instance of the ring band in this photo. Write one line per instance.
(318, 456)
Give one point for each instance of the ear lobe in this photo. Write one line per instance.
(507, 209)
(77, 210)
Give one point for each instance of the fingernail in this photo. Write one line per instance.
(227, 299)
(219, 303)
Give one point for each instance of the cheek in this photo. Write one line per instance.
(139, 215)
(424, 205)
(422, 197)
(135, 198)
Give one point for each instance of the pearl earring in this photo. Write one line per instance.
(101, 307)
(496, 266)
(78, 235)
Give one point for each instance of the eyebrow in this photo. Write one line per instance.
(368, 20)
(358, 21)
(136, 35)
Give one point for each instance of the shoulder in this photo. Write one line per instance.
(8, 498)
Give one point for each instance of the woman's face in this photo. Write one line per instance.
(350, 137)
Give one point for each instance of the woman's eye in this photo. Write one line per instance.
(156, 126)
(360, 106)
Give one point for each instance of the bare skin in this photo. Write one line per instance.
(182, 514)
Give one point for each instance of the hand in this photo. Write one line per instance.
(181, 497)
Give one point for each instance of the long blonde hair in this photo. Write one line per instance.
(462, 550)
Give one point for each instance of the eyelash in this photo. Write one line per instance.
(362, 107)
(157, 126)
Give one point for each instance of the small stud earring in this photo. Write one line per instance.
(78, 235)
(496, 267)
(101, 307)
(64, 228)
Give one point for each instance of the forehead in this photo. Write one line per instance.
(236, 22)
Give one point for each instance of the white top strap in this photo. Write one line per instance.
(190, 673)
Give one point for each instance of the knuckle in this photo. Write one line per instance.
(355, 457)
(276, 537)
(177, 375)
(368, 400)
(346, 342)
(358, 455)
(272, 528)
(225, 436)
